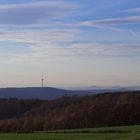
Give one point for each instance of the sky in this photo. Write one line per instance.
(72, 43)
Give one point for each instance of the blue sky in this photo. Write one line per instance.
(71, 42)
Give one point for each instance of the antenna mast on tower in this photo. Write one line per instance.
(42, 81)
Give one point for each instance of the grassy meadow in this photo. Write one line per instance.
(105, 133)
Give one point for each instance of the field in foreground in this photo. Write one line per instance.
(108, 133)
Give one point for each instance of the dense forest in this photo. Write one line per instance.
(109, 109)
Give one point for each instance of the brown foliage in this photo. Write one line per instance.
(70, 112)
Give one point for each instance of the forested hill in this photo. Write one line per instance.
(122, 108)
(47, 93)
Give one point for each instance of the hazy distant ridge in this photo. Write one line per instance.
(53, 93)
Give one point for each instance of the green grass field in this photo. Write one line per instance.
(106, 133)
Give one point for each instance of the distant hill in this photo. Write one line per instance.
(48, 93)
(107, 88)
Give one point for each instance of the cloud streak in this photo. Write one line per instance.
(36, 12)
(112, 21)
(42, 44)
(132, 10)
(51, 45)
(90, 50)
